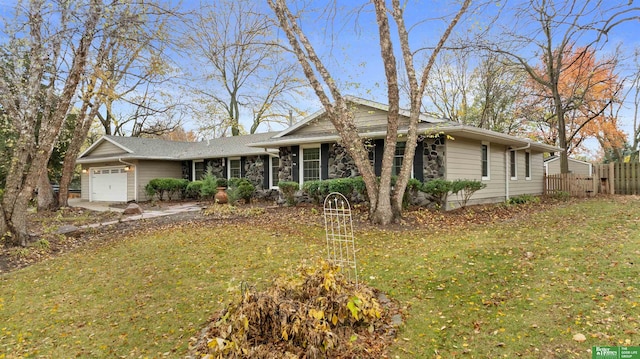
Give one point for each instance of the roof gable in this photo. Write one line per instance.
(105, 145)
(368, 115)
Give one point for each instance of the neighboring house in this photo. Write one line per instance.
(116, 169)
(552, 166)
(310, 150)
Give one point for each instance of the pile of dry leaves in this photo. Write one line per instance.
(315, 314)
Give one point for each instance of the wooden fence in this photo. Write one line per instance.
(620, 178)
(611, 178)
(573, 184)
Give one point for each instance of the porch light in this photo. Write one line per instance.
(127, 168)
(85, 171)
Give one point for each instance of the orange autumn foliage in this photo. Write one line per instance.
(588, 88)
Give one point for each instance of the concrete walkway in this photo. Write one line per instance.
(105, 206)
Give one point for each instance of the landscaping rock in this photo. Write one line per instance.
(66, 229)
(133, 208)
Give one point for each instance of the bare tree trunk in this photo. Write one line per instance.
(46, 199)
(80, 132)
(28, 162)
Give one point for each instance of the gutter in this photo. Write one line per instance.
(507, 178)
(135, 178)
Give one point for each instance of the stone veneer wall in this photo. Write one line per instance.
(254, 171)
(433, 157)
(286, 164)
(341, 165)
(217, 166)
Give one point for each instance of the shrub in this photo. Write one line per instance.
(240, 188)
(170, 186)
(209, 185)
(360, 187)
(561, 195)
(343, 186)
(523, 199)
(174, 186)
(439, 189)
(154, 188)
(193, 189)
(320, 189)
(222, 182)
(413, 186)
(467, 188)
(289, 190)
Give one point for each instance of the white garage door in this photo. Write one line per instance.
(109, 184)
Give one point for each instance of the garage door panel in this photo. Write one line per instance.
(109, 184)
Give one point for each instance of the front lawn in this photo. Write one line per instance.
(518, 288)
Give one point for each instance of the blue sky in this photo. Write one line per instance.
(349, 44)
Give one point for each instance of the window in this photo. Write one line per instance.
(198, 170)
(527, 165)
(310, 164)
(275, 169)
(398, 158)
(513, 166)
(235, 168)
(370, 146)
(485, 161)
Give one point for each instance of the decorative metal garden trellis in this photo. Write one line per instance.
(339, 233)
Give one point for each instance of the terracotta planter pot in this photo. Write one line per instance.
(221, 196)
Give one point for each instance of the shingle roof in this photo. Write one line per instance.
(155, 148)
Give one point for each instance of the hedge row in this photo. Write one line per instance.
(205, 189)
(169, 186)
(240, 188)
(439, 189)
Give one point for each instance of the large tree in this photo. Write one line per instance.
(589, 87)
(248, 75)
(547, 29)
(47, 51)
(385, 204)
(126, 65)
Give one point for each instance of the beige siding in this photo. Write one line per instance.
(105, 148)
(84, 182)
(521, 185)
(364, 117)
(148, 170)
(463, 161)
(577, 167)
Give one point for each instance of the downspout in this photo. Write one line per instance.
(507, 178)
(135, 178)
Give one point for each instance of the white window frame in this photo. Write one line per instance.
(527, 166)
(514, 175)
(395, 168)
(193, 170)
(488, 176)
(229, 166)
(301, 164)
(271, 173)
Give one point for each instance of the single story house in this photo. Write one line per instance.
(311, 150)
(552, 166)
(117, 169)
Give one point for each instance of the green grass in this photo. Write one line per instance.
(521, 288)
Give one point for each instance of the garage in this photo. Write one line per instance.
(109, 184)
